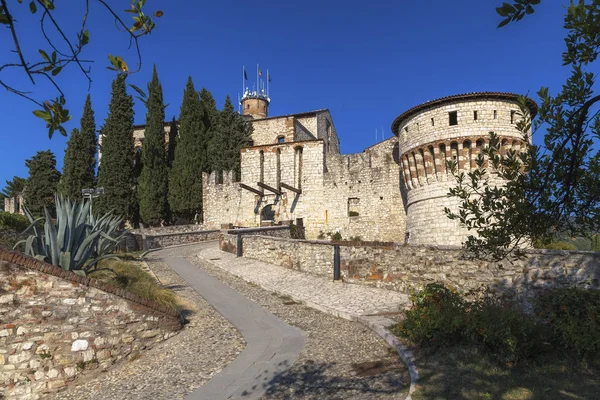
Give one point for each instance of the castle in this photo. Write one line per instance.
(395, 190)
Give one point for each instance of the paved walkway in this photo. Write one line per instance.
(349, 301)
(272, 345)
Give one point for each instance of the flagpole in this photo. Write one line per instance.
(268, 83)
(243, 81)
(257, 81)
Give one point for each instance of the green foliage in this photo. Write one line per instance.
(560, 246)
(42, 182)
(129, 276)
(13, 187)
(297, 232)
(573, 316)
(185, 177)
(437, 317)
(173, 133)
(11, 228)
(15, 222)
(355, 239)
(552, 188)
(441, 317)
(80, 156)
(116, 170)
(353, 213)
(49, 66)
(595, 242)
(76, 241)
(153, 182)
(336, 236)
(231, 134)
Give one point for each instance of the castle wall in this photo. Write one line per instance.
(229, 203)
(427, 141)
(266, 131)
(363, 193)
(326, 131)
(14, 205)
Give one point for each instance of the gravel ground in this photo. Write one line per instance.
(341, 359)
(173, 368)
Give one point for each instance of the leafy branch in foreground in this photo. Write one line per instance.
(65, 50)
(549, 189)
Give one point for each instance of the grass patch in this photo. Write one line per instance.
(128, 275)
(470, 372)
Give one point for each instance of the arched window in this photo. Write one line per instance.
(262, 166)
(280, 139)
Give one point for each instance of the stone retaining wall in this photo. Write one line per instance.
(138, 241)
(404, 268)
(170, 229)
(56, 325)
(228, 239)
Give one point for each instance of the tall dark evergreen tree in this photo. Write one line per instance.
(154, 180)
(13, 187)
(185, 180)
(210, 119)
(42, 182)
(232, 133)
(173, 133)
(80, 156)
(115, 173)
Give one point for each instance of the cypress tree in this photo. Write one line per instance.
(42, 183)
(80, 156)
(173, 132)
(185, 179)
(115, 173)
(210, 119)
(232, 133)
(153, 182)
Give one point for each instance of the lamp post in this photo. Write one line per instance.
(91, 194)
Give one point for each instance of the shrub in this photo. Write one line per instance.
(297, 232)
(442, 317)
(437, 317)
(16, 222)
(560, 246)
(501, 327)
(355, 239)
(573, 316)
(353, 214)
(336, 236)
(321, 235)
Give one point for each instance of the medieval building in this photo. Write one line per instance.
(395, 190)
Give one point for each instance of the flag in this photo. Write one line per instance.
(259, 73)
(245, 75)
(269, 77)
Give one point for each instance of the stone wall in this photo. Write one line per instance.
(363, 194)
(404, 268)
(157, 230)
(228, 239)
(14, 205)
(56, 325)
(139, 241)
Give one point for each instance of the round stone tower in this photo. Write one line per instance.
(451, 128)
(255, 104)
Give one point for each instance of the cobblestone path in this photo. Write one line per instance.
(341, 299)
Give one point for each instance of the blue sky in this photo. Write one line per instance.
(365, 61)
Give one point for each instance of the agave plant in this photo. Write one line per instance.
(76, 241)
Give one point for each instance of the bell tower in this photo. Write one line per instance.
(255, 103)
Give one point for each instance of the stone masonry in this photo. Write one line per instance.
(455, 128)
(404, 268)
(56, 325)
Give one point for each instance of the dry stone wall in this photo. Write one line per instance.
(404, 268)
(56, 325)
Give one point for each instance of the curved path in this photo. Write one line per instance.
(272, 346)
